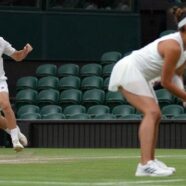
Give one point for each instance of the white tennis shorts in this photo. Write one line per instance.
(3, 86)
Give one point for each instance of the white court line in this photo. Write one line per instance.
(24, 182)
(100, 157)
(43, 159)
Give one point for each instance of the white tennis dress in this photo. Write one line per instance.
(134, 72)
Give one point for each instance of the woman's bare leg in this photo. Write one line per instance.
(149, 125)
(156, 132)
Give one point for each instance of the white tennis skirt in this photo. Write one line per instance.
(126, 75)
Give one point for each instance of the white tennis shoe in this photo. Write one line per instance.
(164, 166)
(23, 140)
(17, 145)
(152, 169)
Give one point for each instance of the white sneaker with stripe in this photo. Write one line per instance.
(164, 166)
(152, 169)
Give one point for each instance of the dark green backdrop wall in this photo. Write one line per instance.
(80, 36)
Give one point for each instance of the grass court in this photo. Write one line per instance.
(84, 167)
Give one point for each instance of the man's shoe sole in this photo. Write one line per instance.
(18, 148)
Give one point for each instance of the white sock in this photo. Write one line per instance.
(14, 133)
(19, 132)
(7, 130)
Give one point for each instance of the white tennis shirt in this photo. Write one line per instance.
(7, 49)
(148, 60)
(134, 72)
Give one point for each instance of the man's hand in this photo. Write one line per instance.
(21, 54)
(28, 48)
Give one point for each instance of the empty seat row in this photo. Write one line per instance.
(83, 116)
(62, 83)
(95, 111)
(67, 97)
(74, 111)
(87, 98)
(74, 69)
(108, 58)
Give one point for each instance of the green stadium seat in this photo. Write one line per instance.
(164, 97)
(91, 69)
(93, 97)
(50, 109)
(48, 97)
(110, 57)
(26, 82)
(30, 116)
(172, 110)
(114, 98)
(107, 69)
(131, 117)
(67, 70)
(123, 110)
(27, 109)
(69, 82)
(46, 70)
(108, 116)
(180, 117)
(177, 100)
(48, 82)
(73, 110)
(91, 82)
(106, 83)
(25, 97)
(96, 110)
(53, 116)
(70, 96)
(81, 116)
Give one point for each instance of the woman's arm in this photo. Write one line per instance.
(21, 54)
(170, 51)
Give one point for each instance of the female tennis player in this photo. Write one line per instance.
(164, 57)
(8, 120)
